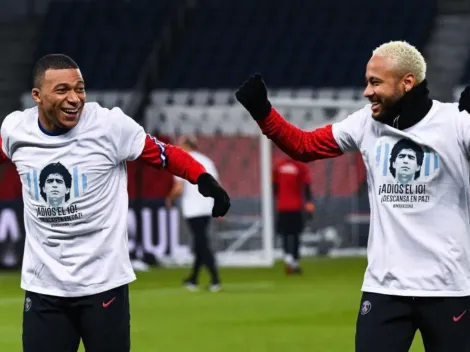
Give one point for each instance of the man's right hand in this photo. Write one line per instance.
(253, 95)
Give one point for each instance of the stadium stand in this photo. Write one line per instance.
(197, 97)
(275, 36)
(109, 39)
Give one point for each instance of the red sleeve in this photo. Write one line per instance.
(298, 144)
(174, 159)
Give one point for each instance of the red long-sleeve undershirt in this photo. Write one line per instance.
(174, 159)
(298, 144)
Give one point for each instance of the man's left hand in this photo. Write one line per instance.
(209, 187)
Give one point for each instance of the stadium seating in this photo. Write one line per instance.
(240, 173)
(109, 39)
(300, 43)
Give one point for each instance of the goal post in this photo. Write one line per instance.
(345, 230)
(244, 157)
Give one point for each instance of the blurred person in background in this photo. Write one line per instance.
(196, 210)
(293, 197)
(418, 251)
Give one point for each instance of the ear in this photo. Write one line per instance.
(409, 81)
(36, 94)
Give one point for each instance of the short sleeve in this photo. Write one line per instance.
(129, 135)
(8, 126)
(463, 130)
(348, 133)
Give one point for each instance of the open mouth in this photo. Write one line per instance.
(375, 106)
(71, 112)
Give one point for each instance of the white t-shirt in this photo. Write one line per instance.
(193, 204)
(75, 200)
(419, 239)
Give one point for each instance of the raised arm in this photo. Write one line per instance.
(298, 144)
(133, 143)
(174, 159)
(182, 164)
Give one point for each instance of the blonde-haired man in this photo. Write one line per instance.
(418, 273)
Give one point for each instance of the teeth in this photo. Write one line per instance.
(70, 111)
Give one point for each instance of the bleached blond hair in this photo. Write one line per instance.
(407, 59)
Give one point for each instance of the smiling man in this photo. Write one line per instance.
(76, 267)
(418, 273)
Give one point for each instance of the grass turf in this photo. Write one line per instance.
(258, 310)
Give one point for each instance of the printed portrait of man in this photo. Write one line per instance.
(406, 160)
(55, 182)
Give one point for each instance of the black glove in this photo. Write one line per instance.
(209, 187)
(464, 101)
(253, 95)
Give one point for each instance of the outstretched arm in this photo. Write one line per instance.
(133, 143)
(182, 164)
(174, 159)
(298, 144)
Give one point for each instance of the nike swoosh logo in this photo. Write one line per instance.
(456, 319)
(107, 304)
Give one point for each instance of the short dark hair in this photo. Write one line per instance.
(51, 62)
(406, 144)
(55, 168)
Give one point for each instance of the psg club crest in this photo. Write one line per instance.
(27, 304)
(366, 307)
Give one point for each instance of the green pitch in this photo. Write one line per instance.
(259, 310)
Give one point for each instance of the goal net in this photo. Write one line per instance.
(244, 158)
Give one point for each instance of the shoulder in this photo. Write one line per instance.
(101, 113)
(449, 108)
(359, 117)
(364, 115)
(355, 122)
(101, 118)
(445, 112)
(17, 119)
